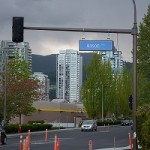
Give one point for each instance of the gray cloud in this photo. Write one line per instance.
(71, 13)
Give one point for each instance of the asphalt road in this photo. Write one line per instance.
(73, 139)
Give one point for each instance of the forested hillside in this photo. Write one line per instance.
(47, 65)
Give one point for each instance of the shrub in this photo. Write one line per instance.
(143, 126)
(13, 128)
(145, 136)
(109, 122)
(36, 122)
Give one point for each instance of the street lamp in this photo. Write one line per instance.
(102, 104)
(5, 86)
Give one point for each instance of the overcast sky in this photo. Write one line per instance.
(102, 14)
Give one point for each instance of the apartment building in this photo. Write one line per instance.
(45, 85)
(115, 58)
(68, 75)
(8, 48)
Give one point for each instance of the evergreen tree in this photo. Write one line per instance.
(143, 57)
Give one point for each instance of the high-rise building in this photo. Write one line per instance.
(115, 58)
(68, 75)
(8, 48)
(45, 85)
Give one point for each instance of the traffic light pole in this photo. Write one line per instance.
(135, 31)
(123, 31)
(132, 31)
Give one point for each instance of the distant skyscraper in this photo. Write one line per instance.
(7, 51)
(115, 58)
(68, 75)
(44, 89)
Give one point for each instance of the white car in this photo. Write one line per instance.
(89, 125)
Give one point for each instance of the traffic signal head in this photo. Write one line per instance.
(17, 29)
(130, 102)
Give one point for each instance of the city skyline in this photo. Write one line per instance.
(68, 13)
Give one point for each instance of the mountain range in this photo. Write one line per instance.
(47, 65)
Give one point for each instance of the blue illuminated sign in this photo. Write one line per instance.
(96, 45)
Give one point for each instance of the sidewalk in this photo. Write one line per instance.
(118, 148)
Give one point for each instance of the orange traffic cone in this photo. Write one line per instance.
(29, 138)
(55, 142)
(46, 135)
(58, 144)
(21, 143)
(130, 140)
(90, 144)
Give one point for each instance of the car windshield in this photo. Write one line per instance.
(88, 122)
(127, 121)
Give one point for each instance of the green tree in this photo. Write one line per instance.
(98, 87)
(123, 87)
(104, 84)
(22, 88)
(143, 54)
(143, 126)
(143, 57)
(143, 94)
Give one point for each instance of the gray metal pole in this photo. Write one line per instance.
(5, 86)
(134, 33)
(102, 104)
(123, 31)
